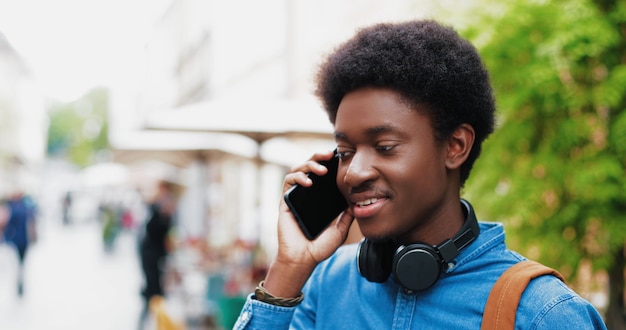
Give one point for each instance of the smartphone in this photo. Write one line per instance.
(316, 207)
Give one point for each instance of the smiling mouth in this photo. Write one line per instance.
(367, 202)
(368, 207)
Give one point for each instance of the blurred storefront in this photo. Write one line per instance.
(220, 101)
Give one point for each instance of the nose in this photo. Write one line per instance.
(360, 170)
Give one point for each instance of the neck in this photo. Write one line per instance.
(444, 223)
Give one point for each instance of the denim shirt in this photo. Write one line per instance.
(338, 297)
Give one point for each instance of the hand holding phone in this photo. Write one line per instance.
(315, 207)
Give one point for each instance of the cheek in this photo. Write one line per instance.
(341, 173)
(413, 169)
(419, 177)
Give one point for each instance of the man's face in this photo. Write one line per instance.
(392, 169)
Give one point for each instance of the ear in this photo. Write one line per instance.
(459, 146)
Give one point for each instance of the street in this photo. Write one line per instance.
(71, 282)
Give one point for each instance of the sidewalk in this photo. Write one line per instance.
(71, 283)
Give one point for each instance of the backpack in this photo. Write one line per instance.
(506, 293)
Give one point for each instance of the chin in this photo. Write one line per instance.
(370, 228)
(377, 237)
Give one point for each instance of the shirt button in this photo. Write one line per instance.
(245, 316)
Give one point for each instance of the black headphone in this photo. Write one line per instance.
(415, 266)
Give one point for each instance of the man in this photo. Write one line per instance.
(411, 104)
(153, 248)
(20, 230)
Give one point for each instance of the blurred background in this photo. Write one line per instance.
(103, 101)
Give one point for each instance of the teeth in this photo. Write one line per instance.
(367, 202)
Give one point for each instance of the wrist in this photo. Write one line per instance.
(261, 294)
(286, 279)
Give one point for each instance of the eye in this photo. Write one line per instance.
(385, 148)
(344, 155)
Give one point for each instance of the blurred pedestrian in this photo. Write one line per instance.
(111, 218)
(20, 230)
(67, 206)
(153, 246)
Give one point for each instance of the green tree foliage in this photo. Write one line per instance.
(78, 130)
(554, 169)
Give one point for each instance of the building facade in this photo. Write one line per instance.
(23, 124)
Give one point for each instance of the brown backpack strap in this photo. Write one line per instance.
(506, 293)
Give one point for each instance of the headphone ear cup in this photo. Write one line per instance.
(416, 267)
(374, 261)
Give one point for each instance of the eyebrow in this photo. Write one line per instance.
(370, 132)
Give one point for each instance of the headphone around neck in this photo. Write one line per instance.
(416, 266)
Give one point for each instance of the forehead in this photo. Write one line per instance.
(373, 112)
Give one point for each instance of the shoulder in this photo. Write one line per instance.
(548, 303)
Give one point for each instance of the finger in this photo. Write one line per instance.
(344, 222)
(300, 178)
(332, 238)
(311, 166)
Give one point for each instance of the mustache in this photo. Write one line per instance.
(368, 187)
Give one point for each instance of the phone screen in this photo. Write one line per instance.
(315, 207)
